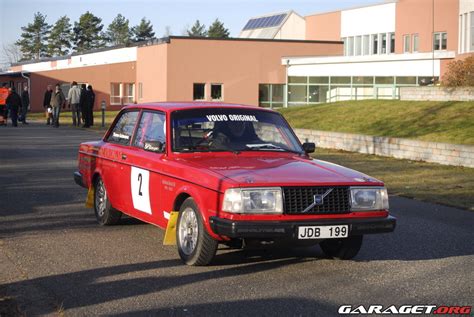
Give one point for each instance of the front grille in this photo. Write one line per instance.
(297, 199)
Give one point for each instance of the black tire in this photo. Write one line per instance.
(342, 249)
(105, 214)
(194, 249)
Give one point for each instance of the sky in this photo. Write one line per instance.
(178, 14)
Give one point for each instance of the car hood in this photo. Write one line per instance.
(284, 169)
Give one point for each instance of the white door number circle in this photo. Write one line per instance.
(140, 181)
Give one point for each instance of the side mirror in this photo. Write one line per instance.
(309, 147)
(154, 146)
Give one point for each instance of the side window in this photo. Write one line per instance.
(152, 127)
(123, 129)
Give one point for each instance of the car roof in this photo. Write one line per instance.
(173, 106)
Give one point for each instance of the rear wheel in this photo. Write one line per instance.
(195, 246)
(104, 212)
(342, 249)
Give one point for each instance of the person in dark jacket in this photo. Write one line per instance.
(47, 104)
(82, 103)
(57, 101)
(25, 104)
(89, 107)
(14, 104)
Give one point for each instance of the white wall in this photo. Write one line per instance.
(368, 20)
(387, 68)
(121, 55)
(293, 29)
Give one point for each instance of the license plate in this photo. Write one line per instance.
(323, 232)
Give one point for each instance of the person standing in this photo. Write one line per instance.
(14, 104)
(47, 104)
(82, 103)
(3, 104)
(73, 98)
(92, 104)
(57, 101)
(25, 104)
(89, 107)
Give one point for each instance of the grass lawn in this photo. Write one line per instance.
(449, 185)
(448, 122)
(66, 118)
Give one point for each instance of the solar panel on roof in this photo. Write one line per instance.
(265, 22)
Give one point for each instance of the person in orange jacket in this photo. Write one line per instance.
(3, 104)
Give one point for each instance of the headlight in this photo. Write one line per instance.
(253, 200)
(369, 198)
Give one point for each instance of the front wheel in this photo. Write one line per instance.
(342, 249)
(195, 246)
(104, 212)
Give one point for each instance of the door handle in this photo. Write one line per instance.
(124, 156)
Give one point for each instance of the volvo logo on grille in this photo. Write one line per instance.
(318, 200)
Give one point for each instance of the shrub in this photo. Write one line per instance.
(460, 73)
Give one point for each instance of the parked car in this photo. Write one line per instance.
(237, 175)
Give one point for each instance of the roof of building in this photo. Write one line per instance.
(266, 26)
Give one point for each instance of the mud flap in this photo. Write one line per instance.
(90, 198)
(170, 234)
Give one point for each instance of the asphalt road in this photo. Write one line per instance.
(55, 259)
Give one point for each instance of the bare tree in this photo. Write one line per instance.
(10, 54)
(167, 31)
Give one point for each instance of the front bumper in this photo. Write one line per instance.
(78, 179)
(289, 229)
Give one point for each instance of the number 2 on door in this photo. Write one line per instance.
(140, 186)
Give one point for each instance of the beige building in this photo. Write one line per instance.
(172, 69)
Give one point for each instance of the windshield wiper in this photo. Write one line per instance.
(267, 146)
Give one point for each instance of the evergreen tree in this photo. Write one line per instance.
(197, 30)
(59, 42)
(118, 32)
(87, 33)
(33, 41)
(143, 31)
(217, 30)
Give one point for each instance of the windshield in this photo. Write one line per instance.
(231, 129)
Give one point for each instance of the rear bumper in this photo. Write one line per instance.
(78, 179)
(289, 229)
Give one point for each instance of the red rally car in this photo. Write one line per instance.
(237, 175)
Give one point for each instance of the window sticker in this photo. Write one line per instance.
(140, 181)
(121, 136)
(231, 117)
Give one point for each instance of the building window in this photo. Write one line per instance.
(270, 95)
(297, 93)
(199, 91)
(129, 93)
(406, 43)
(375, 43)
(115, 94)
(140, 90)
(416, 41)
(216, 91)
(392, 42)
(366, 45)
(350, 46)
(358, 43)
(440, 41)
(472, 33)
(384, 44)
